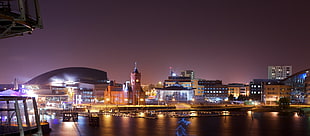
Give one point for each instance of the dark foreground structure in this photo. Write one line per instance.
(19, 116)
(19, 17)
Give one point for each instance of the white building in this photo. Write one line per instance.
(279, 72)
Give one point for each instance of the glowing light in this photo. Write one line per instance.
(274, 114)
(142, 114)
(225, 112)
(193, 113)
(160, 115)
(250, 112)
(70, 82)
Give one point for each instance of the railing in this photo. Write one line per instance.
(19, 115)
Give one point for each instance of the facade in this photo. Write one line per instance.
(115, 94)
(188, 73)
(299, 83)
(67, 86)
(138, 95)
(257, 92)
(213, 90)
(216, 94)
(204, 90)
(187, 80)
(174, 94)
(99, 90)
(130, 92)
(236, 90)
(274, 92)
(307, 89)
(279, 72)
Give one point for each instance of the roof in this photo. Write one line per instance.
(77, 74)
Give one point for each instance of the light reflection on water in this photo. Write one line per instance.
(250, 124)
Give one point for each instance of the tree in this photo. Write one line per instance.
(231, 97)
(241, 98)
(284, 103)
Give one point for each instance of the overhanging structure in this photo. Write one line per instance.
(18, 17)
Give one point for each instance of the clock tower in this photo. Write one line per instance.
(138, 96)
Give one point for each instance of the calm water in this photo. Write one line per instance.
(251, 124)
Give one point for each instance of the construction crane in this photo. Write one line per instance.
(18, 17)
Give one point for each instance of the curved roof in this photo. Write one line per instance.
(296, 74)
(77, 74)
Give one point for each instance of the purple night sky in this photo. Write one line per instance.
(229, 40)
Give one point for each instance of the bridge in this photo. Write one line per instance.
(19, 17)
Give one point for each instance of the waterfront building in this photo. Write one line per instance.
(238, 89)
(116, 94)
(63, 87)
(273, 93)
(300, 85)
(138, 95)
(279, 72)
(216, 94)
(174, 94)
(204, 90)
(307, 89)
(257, 92)
(187, 80)
(212, 90)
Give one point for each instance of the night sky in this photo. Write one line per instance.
(229, 40)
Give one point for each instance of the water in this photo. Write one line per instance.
(251, 124)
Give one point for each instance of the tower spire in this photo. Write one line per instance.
(135, 69)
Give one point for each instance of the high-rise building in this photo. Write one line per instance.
(279, 72)
(188, 73)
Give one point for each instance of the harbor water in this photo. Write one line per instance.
(249, 124)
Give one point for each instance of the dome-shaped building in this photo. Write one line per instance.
(73, 85)
(75, 74)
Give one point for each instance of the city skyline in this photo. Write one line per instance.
(219, 40)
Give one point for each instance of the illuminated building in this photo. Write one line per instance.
(174, 93)
(211, 90)
(130, 92)
(274, 92)
(186, 79)
(300, 86)
(257, 92)
(138, 95)
(279, 72)
(216, 93)
(115, 94)
(237, 89)
(204, 90)
(67, 86)
(188, 73)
